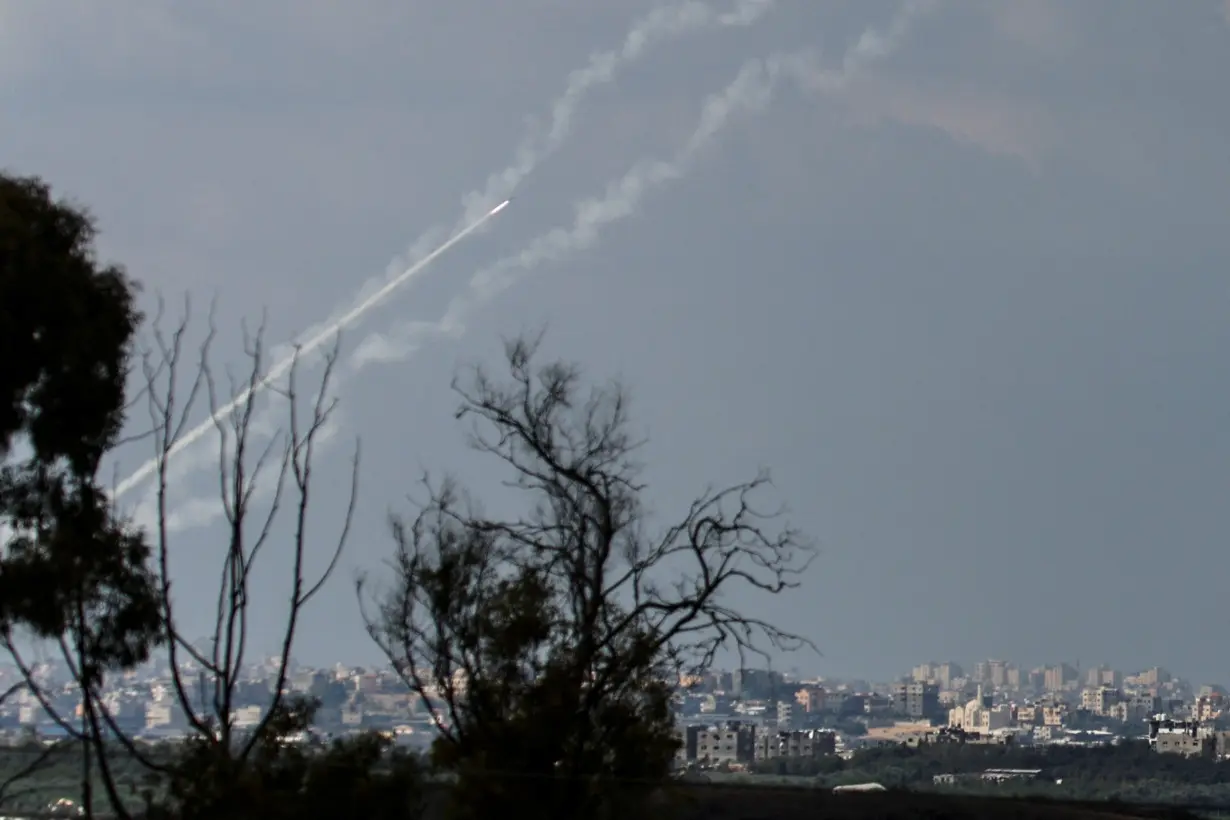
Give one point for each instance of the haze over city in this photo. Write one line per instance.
(969, 304)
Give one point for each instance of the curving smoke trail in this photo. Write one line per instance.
(656, 27)
(751, 90)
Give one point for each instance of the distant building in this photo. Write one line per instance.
(1136, 706)
(978, 715)
(689, 743)
(1208, 707)
(807, 744)
(1054, 714)
(163, 714)
(947, 673)
(756, 684)
(1155, 676)
(789, 716)
(246, 717)
(950, 734)
(732, 743)
(811, 699)
(1182, 737)
(997, 673)
(1028, 714)
(715, 705)
(1100, 676)
(916, 700)
(1100, 700)
(982, 672)
(846, 703)
(1057, 677)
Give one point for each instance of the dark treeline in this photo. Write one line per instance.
(1128, 771)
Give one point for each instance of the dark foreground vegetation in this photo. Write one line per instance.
(1129, 771)
(710, 802)
(548, 639)
(715, 802)
(411, 792)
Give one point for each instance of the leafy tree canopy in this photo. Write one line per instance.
(66, 323)
(66, 326)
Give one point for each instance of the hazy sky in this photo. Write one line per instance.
(970, 299)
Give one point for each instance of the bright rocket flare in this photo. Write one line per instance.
(196, 433)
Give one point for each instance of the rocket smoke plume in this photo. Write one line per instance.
(283, 367)
(658, 26)
(751, 90)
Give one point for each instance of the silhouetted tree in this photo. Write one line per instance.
(75, 574)
(266, 489)
(70, 571)
(550, 643)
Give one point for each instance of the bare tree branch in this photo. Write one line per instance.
(257, 481)
(33, 687)
(572, 613)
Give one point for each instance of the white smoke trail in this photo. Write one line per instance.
(284, 366)
(656, 27)
(193, 512)
(751, 89)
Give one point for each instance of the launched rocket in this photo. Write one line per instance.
(280, 369)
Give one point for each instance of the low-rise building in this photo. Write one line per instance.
(1028, 714)
(1181, 737)
(1054, 714)
(803, 744)
(731, 743)
(689, 737)
(1136, 706)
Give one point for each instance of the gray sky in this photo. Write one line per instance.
(969, 300)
